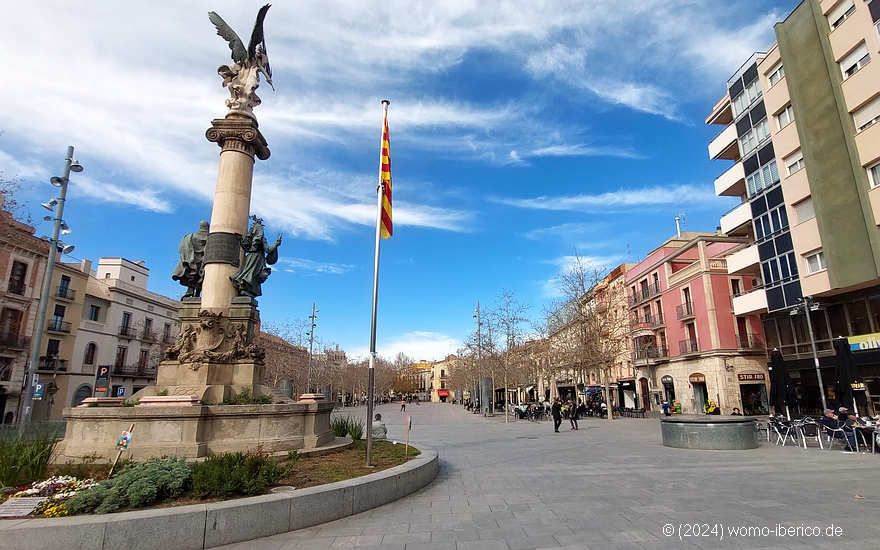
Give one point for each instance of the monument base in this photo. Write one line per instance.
(193, 431)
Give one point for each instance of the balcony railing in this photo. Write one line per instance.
(751, 341)
(11, 340)
(65, 293)
(168, 338)
(644, 293)
(16, 289)
(685, 311)
(127, 331)
(651, 353)
(52, 364)
(148, 336)
(135, 370)
(647, 322)
(57, 325)
(688, 346)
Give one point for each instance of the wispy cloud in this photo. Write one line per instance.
(622, 198)
(427, 345)
(568, 231)
(305, 265)
(583, 150)
(144, 199)
(553, 287)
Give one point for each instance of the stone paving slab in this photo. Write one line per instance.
(610, 485)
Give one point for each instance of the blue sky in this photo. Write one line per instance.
(520, 133)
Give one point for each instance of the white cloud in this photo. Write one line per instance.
(622, 198)
(427, 345)
(568, 231)
(305, 265)
(145, 199)
(553, 287)
(583, 150)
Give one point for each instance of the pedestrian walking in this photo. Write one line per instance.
(573, 415)
(556, 411)
(403, 405)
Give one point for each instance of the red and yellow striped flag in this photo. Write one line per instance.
(385, 181)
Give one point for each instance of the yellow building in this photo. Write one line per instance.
(440, 392)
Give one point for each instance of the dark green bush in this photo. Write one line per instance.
(245, 398)
(234, 474)
(137, 485)
(339, 426)
(23, 460)
(355, 428)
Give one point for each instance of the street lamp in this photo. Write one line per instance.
(55, 205)
(808, 306)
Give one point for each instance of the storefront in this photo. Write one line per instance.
(753, 393)
(443, 395)
(668, 388)
(701, 394)
(626, 394)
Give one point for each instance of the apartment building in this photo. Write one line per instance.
(800, 128)
(688, 345)
(124, 326)
(23, 259)
(440, 392)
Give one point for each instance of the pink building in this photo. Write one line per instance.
(688, 346)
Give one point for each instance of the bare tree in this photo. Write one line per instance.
(508, 316)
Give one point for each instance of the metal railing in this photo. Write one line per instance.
(65, 293)
(127, 331)
(16, 289)
(148, 336)
(52, 364)
(651, 353)
(685, 310)
(644, 293)
(688, 346)
(57, 325)
(168, 338)
(751, 341)
(135, 370)
(11, 340)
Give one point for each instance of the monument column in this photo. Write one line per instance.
(240, 140)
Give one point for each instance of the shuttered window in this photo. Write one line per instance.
(840, 13)
(854, 61)
(867, 114)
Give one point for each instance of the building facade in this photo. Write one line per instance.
(23, 259)
(800, 126)
(124, 326)
(440, 391)
(688, 345)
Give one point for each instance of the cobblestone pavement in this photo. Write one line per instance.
(610, 485)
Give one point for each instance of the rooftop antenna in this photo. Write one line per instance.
(679, 222)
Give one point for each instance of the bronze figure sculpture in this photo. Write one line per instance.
(190, 270)
(258, 255)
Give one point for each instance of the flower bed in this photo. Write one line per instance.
(57, 490)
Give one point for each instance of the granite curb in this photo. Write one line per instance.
(200, 526)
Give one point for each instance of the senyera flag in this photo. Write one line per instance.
(385, 180)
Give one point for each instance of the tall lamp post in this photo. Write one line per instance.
(312, 318)
(810, 305)
(70, 165)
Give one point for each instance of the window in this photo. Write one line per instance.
(148, 326)
(874, 175)
(857, 59)
(740, 103)
(794, 162)
(804, 210)
(816, 262)
(106, 275)
(166, 333)
(734, 286)
(63, 286)
(785, 117)
(52, 348)
(865, 116)
(777, 74)
(766, 176)
(143, 358)
(771, 222)
(17, 277)
(91, 351)
(748, 142)
(94, 312)
(120, 356)
(840, 13)
(126, 319)
(753, 90)
(762, 130)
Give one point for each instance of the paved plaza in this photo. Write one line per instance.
(520, 486)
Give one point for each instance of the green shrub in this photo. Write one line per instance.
(23, 460)
(245, 398)
(339, 426)
(135, 486)
(355, 428)
(234, 474)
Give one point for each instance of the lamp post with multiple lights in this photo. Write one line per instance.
(56, 205)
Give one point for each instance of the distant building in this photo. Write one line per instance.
(440, 392)
(23, 259)
(124, 326)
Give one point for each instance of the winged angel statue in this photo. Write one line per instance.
(242, 76)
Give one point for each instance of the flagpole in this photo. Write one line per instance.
(380, 191)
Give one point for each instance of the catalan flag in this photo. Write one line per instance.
(385, 181)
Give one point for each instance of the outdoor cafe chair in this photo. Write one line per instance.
(808, 427)
(838, 431)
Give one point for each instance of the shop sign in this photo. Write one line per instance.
(666, 380)
(750, 376)
(864, 342)
(858, 386)
(697, 378)
(443, 393)
(627, 384)
(102, 380)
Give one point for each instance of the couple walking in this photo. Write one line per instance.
(570, 411)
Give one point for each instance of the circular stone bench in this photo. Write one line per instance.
(199, 526)
(709, 432)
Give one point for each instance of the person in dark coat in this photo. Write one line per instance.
(556, 412)
(573, 415)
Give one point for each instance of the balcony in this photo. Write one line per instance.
(738, 220)
(127, 331)
(651, 353)
(750, 302)
(647, 322)
(11, 340)
(16, 288)
(52, 364)
(743, 259)
(725, 146)
(57, 325)
(65, 293)
(732, 183)
(148, 336)
(685, 311)
(750, 341)
(688, 346)
(645, 293)
(168, 338)
(135, 370)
